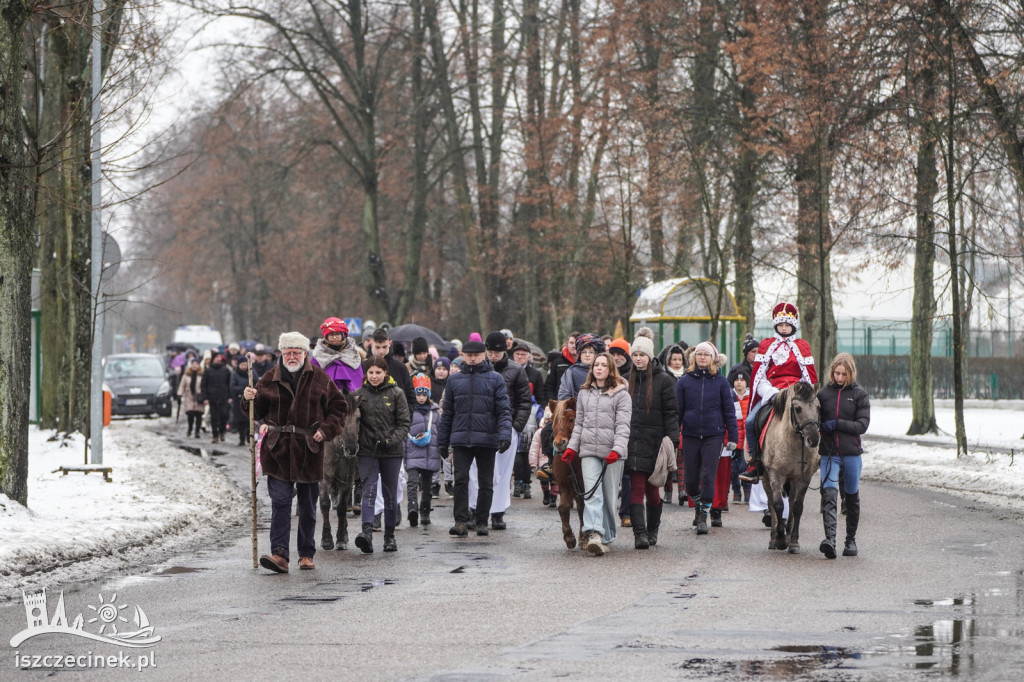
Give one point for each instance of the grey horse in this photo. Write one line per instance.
(341, 470)
(790, 458)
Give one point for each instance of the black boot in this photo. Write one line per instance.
(653, 523)
(364, 541)
(696, 515)
(716, 518)
(414, 517)
(828, 517)
(517, 489)
(527, 493)
(702, 518)
(640, 538)
(389, 539)
(425, 517)
(498, 521)
(547, 496)
(852, 520)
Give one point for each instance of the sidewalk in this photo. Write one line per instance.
(161, 499)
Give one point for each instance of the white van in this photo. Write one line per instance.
(199, 336)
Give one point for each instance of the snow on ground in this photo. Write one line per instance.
(79, 526)
(988, 472)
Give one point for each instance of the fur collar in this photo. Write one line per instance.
(348, 355)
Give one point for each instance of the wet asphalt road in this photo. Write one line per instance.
(937, 592)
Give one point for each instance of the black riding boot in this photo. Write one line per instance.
(716, 518)
(852, 519)
(653, 523)
(702, 518)
(390, 545)
(828, 515)
(636, 515)
(364, 541)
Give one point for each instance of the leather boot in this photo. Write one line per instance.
(636, 515)
(852, 520)
(390, 545)
(828, 517)
(653, 522)
(497, 521)
(716, 518)
(702, 518)
(696, 515)
(364, 541)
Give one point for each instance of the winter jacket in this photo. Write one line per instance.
(426, 457)
(191, 401)
(602, 421)
(476, 410)
(649, 427)
(437, 389)
(239, 380)
(217, 383)
(533, 375)
(737, 368)
(344, 367)
(518, 387)
(314, 403)
(705, 405)
(555, 372)
(572, 380)
(742, 406)
(383, 419)
(261, 368)
(850, 407)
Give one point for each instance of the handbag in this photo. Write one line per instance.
(423, 440)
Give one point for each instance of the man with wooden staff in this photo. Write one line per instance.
(300, 408)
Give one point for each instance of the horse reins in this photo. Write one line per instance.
(576, 484)
(800, 432)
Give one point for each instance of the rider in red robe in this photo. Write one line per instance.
(781, 361)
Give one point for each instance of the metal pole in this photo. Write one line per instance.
(96, 397)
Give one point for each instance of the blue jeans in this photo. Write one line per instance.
(600, 511)
(849, 465)
(308, 497)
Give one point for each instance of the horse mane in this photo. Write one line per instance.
(803, 390)
(781, 402)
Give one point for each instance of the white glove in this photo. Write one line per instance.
(766, 391)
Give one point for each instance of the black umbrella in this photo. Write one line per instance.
(407, 333)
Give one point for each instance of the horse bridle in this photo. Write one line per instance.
(800, 432)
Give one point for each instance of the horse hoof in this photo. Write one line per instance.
(327, 543)
(342, 545)
(794, 549)
(570, 542)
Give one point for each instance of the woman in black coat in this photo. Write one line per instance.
(845, 413)
(654, 418)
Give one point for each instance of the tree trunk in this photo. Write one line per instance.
(922, 401)
(814, 275)
(65, 225)
(477, 267)
(17, 240)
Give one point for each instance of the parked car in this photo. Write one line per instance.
(138, 384)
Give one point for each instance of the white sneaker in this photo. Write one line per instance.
(595, 546)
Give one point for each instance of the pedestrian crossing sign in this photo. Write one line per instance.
(355, 326)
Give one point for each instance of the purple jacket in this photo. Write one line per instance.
(339, 365)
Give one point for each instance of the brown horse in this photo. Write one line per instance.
(341, 471)
(790, 460)
(563, 418)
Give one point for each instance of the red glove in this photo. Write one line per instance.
(569, 455)
(612, 457)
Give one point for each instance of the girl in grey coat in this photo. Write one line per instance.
(601, 439)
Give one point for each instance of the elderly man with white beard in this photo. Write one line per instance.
(300, 408)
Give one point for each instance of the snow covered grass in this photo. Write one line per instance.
(990, 470)
(79, 525)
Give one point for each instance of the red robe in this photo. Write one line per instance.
(781, 375)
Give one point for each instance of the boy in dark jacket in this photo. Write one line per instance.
(476, 421)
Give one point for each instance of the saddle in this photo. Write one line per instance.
(762, 420)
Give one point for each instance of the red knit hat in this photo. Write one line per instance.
(333, 325)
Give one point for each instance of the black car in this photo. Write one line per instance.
(138, 384)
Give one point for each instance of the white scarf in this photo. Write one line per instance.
(777, 354)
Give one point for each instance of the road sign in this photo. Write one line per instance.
(355, 326)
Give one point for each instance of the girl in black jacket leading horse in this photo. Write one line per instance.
(844, 414)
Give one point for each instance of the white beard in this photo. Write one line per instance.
(293, 368)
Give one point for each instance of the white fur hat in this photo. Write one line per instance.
(293, 340)
(644, 342)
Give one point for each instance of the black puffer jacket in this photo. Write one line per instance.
(475, 411)
(850, 407)
(384, 419)
(217, 383)
(647, 428)
(518, 387)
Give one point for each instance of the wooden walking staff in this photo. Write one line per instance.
(252, 463)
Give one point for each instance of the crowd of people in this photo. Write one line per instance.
(473, 421)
